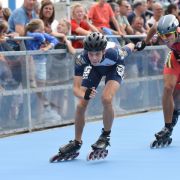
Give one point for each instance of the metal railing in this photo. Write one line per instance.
(22, 108)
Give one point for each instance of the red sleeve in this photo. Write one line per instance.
(85, 25)
(74, 25)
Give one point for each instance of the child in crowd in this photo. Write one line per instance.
(44, 42)
(64, 27)
(62, 66)
(41, 41)
(3, 30)
(6, 13)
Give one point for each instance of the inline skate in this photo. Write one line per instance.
(99, 150)
(163, 138)
(68, 152)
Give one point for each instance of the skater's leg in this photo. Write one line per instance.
(167, 100)
(176, 113)
(163, 137)
(108, 115)
(168, 104)
(107, 97)
(80, 119)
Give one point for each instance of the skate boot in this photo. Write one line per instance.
(99, 150)
(163, 138)
(68, 152)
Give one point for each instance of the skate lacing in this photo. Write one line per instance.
(71, 147)
(164, 132)
(103, 139)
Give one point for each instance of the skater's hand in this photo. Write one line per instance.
(90, 93)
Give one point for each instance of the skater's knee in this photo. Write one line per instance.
(169, 88)
(81, 107)
(106, 100)
(82, 104)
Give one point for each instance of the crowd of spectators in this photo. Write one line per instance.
(112, 17)
(38, 20)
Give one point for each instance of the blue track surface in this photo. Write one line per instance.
(25, 157)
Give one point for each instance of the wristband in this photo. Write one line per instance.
(87, 94)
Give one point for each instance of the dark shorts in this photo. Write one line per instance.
(92, 76)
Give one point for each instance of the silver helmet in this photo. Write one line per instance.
(167, 24)
(95, 41)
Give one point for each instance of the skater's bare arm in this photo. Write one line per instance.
(151, 33)
(142, 44)
(130, 46)
(82, 92)
(78, 91)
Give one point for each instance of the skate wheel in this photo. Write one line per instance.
(66, 158)
(160, 144)
(169, 142)
(54, 158)
(74, 156)
(90, 156)
(59, 159)
(98, 154)
(153, 144)
(104, 154)
(166, 144)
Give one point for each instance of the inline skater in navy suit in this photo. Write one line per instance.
(99, 58)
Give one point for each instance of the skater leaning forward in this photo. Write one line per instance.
(168, 31)
(99, 58)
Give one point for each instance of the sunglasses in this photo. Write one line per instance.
(165, 36)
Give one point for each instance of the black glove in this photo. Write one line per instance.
(87, 93)
(140, 45)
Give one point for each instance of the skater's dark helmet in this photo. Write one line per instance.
(95, 41)
(167, 24)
